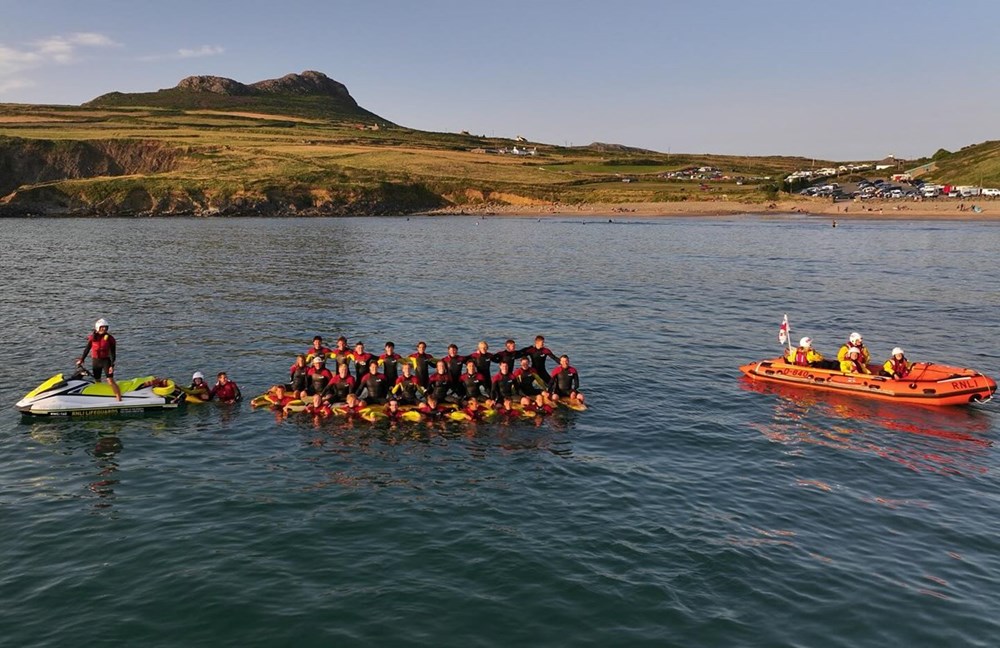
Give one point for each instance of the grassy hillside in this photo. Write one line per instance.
(202, 159)
(978, 164)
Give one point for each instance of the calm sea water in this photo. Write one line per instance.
(683, 509)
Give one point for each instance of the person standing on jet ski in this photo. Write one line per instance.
(101, 346)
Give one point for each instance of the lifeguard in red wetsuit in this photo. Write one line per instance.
(225, 390)
(317, 349)
(361, 359)
(318, 407)
(102, 348)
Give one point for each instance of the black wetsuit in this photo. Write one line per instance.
(390, 368)
(421, 366)
(502, 387)
(510, 357)
(375, 385)
(407, 390)
(483, 362)
(474, 385)
(527, 382)
(453, 366)
(338, 388)
(564, 381)
(318, 380)
(439, 385)
(299, 377)
(537, 357)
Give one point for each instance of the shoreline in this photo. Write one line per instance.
(947, 209)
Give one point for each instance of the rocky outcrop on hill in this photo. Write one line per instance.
(214, 84)
(309, 94)
(307, 83)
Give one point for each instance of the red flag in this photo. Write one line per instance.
(783, 330)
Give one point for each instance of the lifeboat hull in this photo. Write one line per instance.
(927, 384)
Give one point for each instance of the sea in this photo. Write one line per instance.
(685, 507)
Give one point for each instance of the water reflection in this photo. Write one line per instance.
(923, 439)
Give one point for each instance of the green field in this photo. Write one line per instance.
(161, 159)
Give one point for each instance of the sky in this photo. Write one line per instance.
(848, 80)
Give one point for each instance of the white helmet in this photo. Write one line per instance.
(101, 322)
(318, 359)
(853, 349)
(806, 342)
(897, 351)
(855, 338)
(196, 375)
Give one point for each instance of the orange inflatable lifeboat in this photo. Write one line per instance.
(926, 384)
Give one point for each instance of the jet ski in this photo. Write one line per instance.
(81, 395)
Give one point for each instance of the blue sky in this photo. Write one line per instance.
(846, 80)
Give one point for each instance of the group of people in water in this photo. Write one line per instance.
(103, 349)
(394, 385)
(853, 357)
(433, 386)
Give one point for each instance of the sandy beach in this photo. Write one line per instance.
(941, 209)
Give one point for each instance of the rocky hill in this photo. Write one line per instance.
(309, 94)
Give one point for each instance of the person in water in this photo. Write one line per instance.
(317, 349)
(565, 382)
(421, 362)
(225, 390)
(199, 389)
(407, 388)
(897, 366)
(508, 354)
(431, 409)
(473, 383)
(340, 385)
(389, 362)
(102, 348)
(341, 353)
(453, 363)
(482, 357)
(537, 354)
(298, 376)
(279, 398)
(854, 363)
(392, 412)
(318, 376)
(318, 407)
(854, 342)
(502, 384)
(374, 383)
(527, 382)
(805, 355)
(440, 383)
(361, 358)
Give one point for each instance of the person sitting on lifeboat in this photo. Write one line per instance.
(854, 342)
(805, 355)
(853, 363)
(897, 366)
